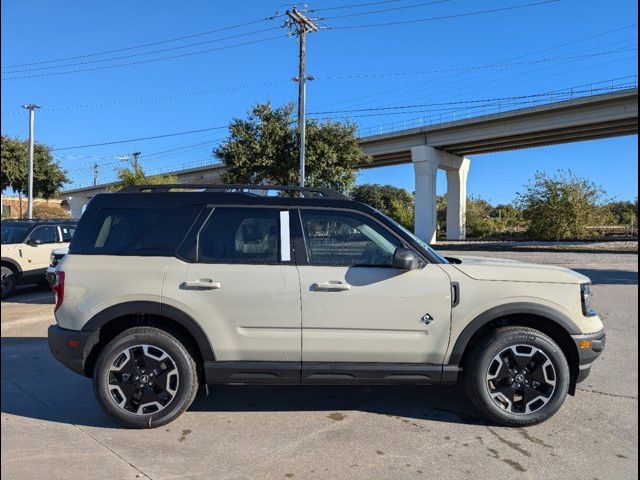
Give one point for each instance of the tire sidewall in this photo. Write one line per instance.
(186, 375)
(11, 276)
(497, 344)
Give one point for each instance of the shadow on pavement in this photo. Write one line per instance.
(35, 385)
(32, 294)
(609, 277)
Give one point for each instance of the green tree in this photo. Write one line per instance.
(561, 206)
(134, 175)
(620, 213)
(263, 149)
(480, 220)
(48, 176)
(394, 202)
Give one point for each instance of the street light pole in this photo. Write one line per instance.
(32, 110)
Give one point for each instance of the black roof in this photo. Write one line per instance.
(38, 221)
(179, 195)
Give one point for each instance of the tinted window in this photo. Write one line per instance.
(13, 233)
(67, 232)
(240, 235)
(138, 231)
(44, 234)
(346, 239)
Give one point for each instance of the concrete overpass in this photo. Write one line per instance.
(447, 145)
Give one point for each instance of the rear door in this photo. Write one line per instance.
(237, 280)
(356, 307)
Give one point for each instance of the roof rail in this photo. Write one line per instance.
(312, 192)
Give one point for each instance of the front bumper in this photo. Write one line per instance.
(71, 347)
(588, 352)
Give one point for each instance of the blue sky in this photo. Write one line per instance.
(541, 48)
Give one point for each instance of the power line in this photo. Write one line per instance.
(160, 42)
(444, 17)
(145, 53)
(469, 69)
(357, 5)
(463, 102)
(115, 142)
(528, 54)
(154, 99)
(148, 61)
(371, 12)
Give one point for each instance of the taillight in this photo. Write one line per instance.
(58, 289)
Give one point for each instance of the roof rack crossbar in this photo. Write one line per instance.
(235, 188)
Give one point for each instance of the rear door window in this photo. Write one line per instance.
(240, 235)
(66, 232)
(138, 231)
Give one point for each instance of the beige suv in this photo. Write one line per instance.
(27, 247)
(168, 287)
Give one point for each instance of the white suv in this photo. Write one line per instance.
(168, 287)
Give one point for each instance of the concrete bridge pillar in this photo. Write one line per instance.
(426, 162)
(457, 200)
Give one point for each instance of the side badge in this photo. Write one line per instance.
(426, 319)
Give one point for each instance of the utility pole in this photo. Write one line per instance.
(32, 110)
(135, 161)
(95, 173)
(303, 26)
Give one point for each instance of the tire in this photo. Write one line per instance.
(145, 354)
(499, 384)
(8, 282)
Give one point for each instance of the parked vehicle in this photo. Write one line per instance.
(26, 249)
(54, 259)
(165, 288)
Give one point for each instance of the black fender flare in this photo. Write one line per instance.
(153, 308)
(516, 308)
(12, 263)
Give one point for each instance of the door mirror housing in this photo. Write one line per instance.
(32, 242)
(405, 259)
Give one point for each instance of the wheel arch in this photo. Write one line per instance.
(545, 319)
(113, 320)
(11, 263)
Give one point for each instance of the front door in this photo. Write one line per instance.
(241, 286)
(36, 251)
(356, 307)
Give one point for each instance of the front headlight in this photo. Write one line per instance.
(586, 297)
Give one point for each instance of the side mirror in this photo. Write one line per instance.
(405, 259)
(33, 242)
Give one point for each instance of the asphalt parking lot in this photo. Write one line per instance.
(52, 427)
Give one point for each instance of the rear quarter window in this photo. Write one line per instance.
(136, 231)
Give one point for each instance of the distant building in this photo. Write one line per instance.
(11, 206)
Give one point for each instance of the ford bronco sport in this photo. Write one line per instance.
(168, 287)
(26, 249)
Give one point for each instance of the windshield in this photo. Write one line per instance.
(13, 233)
(423, 244)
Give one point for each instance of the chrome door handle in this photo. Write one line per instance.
(333, 285)
(204, 283)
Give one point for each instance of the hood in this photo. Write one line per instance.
(498, 269)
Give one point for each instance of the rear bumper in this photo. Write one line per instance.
(588, 353)
(71, 347)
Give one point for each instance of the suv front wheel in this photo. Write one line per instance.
(517, 376)
(145, 378)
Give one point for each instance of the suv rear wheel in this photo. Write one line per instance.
(517, 376)
(145, 378)
(8, 282)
